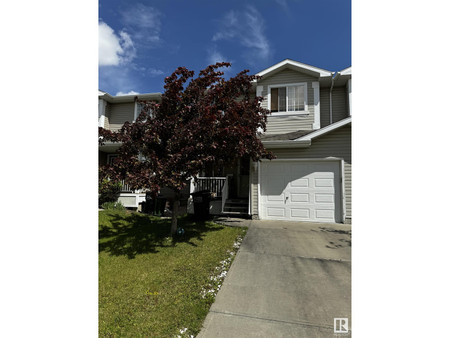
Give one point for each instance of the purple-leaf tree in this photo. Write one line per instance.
(199, 121)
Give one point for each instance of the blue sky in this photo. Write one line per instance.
(142, 42)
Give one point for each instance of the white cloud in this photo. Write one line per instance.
(114, 49)
(144, 21)
(247, 28)
(154, 72)
(215, 56)
(131, 92)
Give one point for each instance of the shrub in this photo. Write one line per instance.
(113, 206)
(109, 191)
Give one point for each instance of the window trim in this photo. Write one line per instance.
(287, 113)
(137, 112)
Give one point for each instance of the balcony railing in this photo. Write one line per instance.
(215, 185)
(125, 187)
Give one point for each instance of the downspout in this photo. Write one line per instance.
(331, 99)
(333, 76)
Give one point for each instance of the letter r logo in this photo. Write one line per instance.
(340, 325)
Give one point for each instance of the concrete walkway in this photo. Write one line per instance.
(288, 279)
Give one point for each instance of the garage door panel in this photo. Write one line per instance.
(301, 183)
(276, 198)
(301, 213)
(324, 182)
(299, 197)
(276, 212)
(324, 198)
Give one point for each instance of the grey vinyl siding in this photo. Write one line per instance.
(119, 114)
(340, 111)
(335, 144)
(324, 107)
(286, 124)
(340, 105)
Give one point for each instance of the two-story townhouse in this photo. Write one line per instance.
(309, 130)
(113, 112)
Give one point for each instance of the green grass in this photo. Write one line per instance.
(150, 285)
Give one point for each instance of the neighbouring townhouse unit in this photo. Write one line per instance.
(309, 131)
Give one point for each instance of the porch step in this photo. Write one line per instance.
(236, 206)
(236, 201)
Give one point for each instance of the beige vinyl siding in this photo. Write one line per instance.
(107, 126)
(339, 104)
(335, 144)
(324, 107)
(286, 124)
(107, 115)
(120, 113)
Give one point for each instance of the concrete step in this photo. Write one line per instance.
(235, 207)
(235, 213)
(236, 200)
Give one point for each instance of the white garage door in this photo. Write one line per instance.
(301, 191)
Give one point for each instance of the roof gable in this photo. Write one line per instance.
(294, 65)
(346, 71)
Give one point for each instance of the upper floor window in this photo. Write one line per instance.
(138, 109)
(289, 98)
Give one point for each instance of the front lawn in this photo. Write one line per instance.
(151, 286)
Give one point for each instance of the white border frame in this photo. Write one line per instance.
(320, 159)
(287, 113)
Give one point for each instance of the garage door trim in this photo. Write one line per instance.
(328, 159)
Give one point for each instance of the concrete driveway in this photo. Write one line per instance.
(289, 279)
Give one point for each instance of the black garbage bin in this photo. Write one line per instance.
(201, 201)
(148, 206)
(154, 206)
(160, 205)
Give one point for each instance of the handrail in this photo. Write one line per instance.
(224, 193)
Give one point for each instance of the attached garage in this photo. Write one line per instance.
(301, 190)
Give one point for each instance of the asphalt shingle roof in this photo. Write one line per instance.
(285, 137)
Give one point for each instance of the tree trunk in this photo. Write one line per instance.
(176, 204)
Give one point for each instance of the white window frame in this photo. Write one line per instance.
(298, 112)
(137, 111)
